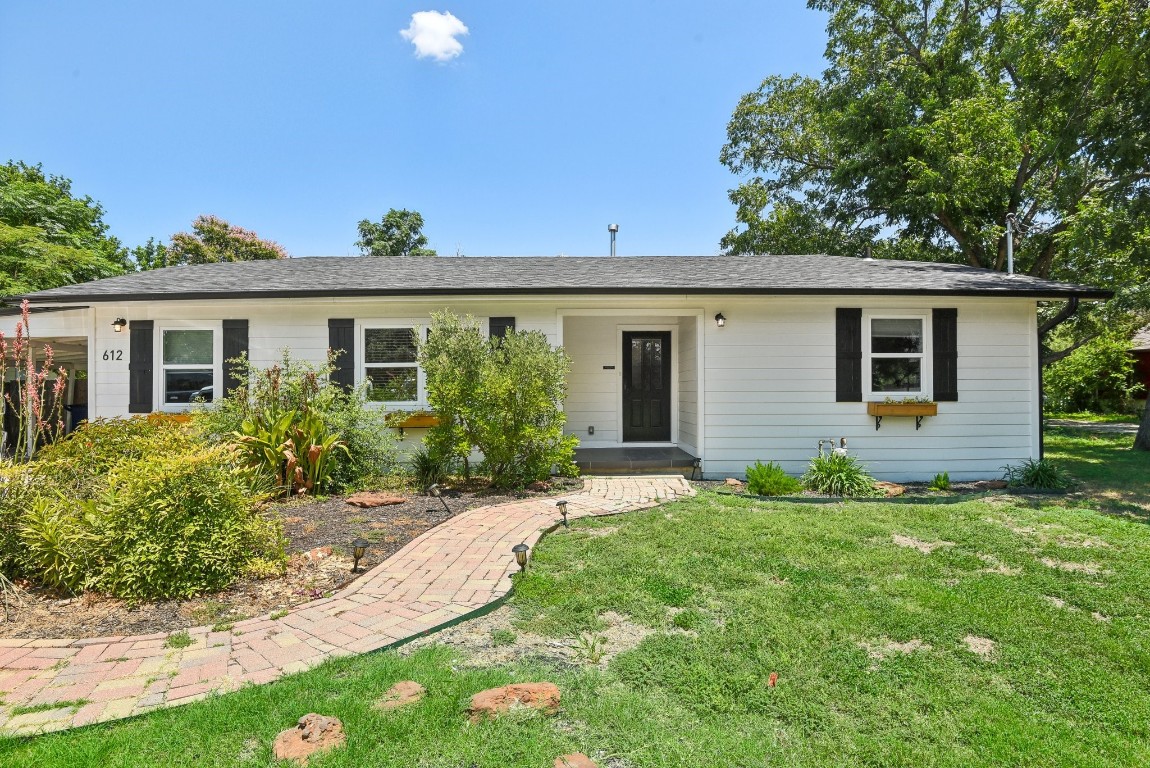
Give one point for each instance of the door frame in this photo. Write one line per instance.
(674, 331)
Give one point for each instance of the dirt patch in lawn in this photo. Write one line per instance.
(925, 547)
(1090, 569)
(318, 533)
(492, 640)
(883, 648)
(983, 647)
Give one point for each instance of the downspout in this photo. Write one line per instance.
(1044, 330)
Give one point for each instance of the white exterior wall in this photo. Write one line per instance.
(766, 390)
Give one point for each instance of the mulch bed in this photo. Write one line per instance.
(319, 534)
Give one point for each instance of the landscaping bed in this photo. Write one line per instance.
(318, 532)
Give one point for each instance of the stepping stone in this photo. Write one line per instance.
(575, 760)
(313, 733)
(369, 499)
(495, 701)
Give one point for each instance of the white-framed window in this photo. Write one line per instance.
(896, 357)
(390, 366)
(187, 366)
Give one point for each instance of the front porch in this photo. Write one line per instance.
(670, 460)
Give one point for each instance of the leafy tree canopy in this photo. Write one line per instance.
(48, 236)
(398, 233)
(938, 119)
(211, 240)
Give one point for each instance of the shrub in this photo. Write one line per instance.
(770, 480)
(56, 544)
(1095, 377)
(500, 396)
(177, 526)
(295, 449)
(941, 482)
(429, 467)
(370, 448)
(78, 465)
(838, 474)
(1043, 474)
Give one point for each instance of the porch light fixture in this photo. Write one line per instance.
(119, 324)
(358, 550)
(437, 492)
(520, 551)
(720, 320)
(562, 505)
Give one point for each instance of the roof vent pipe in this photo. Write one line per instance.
(1009, 244)
(613, 229)
(867, 255)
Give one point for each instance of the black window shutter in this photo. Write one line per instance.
(848, 355)
(497, 327)
(235, 345)
(141, 366)
(341, 340)
(944, 325)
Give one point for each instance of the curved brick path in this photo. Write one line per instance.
(446, 573)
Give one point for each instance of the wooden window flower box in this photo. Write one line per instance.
(918, 410)
(402, 420)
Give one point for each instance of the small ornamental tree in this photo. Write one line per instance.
(498, 396)
(38, 400)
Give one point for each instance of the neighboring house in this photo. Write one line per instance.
(730, 359)
(1140, 349)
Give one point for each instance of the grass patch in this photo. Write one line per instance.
(1096, 418)
(178, 640)
(72, 704)
(1115, 477)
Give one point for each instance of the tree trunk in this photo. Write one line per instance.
(1142, 439)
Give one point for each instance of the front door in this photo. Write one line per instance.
(646, 386)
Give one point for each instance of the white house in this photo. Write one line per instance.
(728, 359)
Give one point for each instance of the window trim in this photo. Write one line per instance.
(926, 356)
(161, 367)
(362, 366)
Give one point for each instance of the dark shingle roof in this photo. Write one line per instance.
(1141, 340)
(366, 276)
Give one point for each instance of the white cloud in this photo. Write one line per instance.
(433, 35)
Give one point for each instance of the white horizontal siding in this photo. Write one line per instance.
(771, 391)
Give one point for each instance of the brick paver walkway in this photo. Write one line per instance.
(448, 572)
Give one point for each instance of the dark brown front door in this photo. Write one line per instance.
(646, 386)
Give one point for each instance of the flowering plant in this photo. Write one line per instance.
(38, 398)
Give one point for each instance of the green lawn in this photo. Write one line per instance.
(741, 589)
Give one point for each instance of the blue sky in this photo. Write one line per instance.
(298, 119)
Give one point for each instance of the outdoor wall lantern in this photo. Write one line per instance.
(562, 504)
(119, 324)
(437, 492)
(358, 550)
(520, 551)
(720, 320)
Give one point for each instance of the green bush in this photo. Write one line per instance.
(1043, 474)
(1097, 377)
(370, 448)
(56, 544)
(177, 526)
(78, 465)
(941, 482)
(770, 480)
(294, 449)
(500, 396)
(838, 474)
(429, 467)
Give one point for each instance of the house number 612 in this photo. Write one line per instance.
(113, 354)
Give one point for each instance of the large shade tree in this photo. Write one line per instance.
(398, 233)
(49, 236)
(936, 121)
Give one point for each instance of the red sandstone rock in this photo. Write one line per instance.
(314, 733)
(890, 489)
(317, 554)
(575, 760)
(400, 694)
(369, 499)
(495, 701)
(539, 485)
(734, 482)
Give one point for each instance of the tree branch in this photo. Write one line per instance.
(1054, 357)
